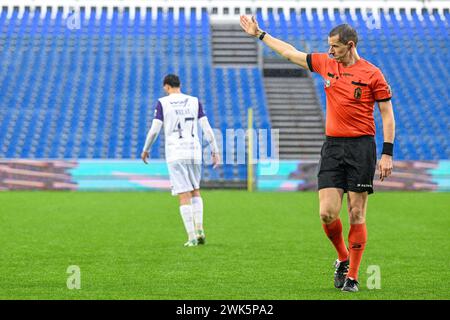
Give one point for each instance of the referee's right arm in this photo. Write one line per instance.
(283, 48)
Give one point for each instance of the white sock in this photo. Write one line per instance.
(197, 208)
(188, 220)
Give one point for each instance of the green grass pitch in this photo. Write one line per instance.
(260, 246)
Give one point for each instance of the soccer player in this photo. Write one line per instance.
(348, 156)
(180, 114)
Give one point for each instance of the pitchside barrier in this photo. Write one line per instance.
(133, 175)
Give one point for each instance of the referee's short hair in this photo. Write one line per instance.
(172, 80)
(346, 33)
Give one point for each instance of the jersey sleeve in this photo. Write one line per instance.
(201, 113)
(380, 88)
(159, 111)
(317, 62)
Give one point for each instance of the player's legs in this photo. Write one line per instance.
(330, 203)
(357, 205)
(194, 174)
(185, 198)
(360, 163)
(332, 183)
(187, 215)
(179, 179)
(197, 207)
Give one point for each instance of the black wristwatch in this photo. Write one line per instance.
(261, 36)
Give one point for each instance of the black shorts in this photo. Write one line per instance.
(348, 163)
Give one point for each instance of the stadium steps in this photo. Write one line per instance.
(231, 47)
(294, 110)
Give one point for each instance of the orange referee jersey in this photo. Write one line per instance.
(351, 94)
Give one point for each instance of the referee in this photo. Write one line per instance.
(348, 156)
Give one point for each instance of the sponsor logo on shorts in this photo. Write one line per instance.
(361, 185)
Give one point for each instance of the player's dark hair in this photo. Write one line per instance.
(172, 80)
(346, 33)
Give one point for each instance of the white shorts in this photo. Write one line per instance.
(184, 176)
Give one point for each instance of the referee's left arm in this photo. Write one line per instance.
(387, 116)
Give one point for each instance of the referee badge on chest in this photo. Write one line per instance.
(358, 93)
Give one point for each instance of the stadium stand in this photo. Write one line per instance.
(89, 92)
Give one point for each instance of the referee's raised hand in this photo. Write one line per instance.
(249, 25)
